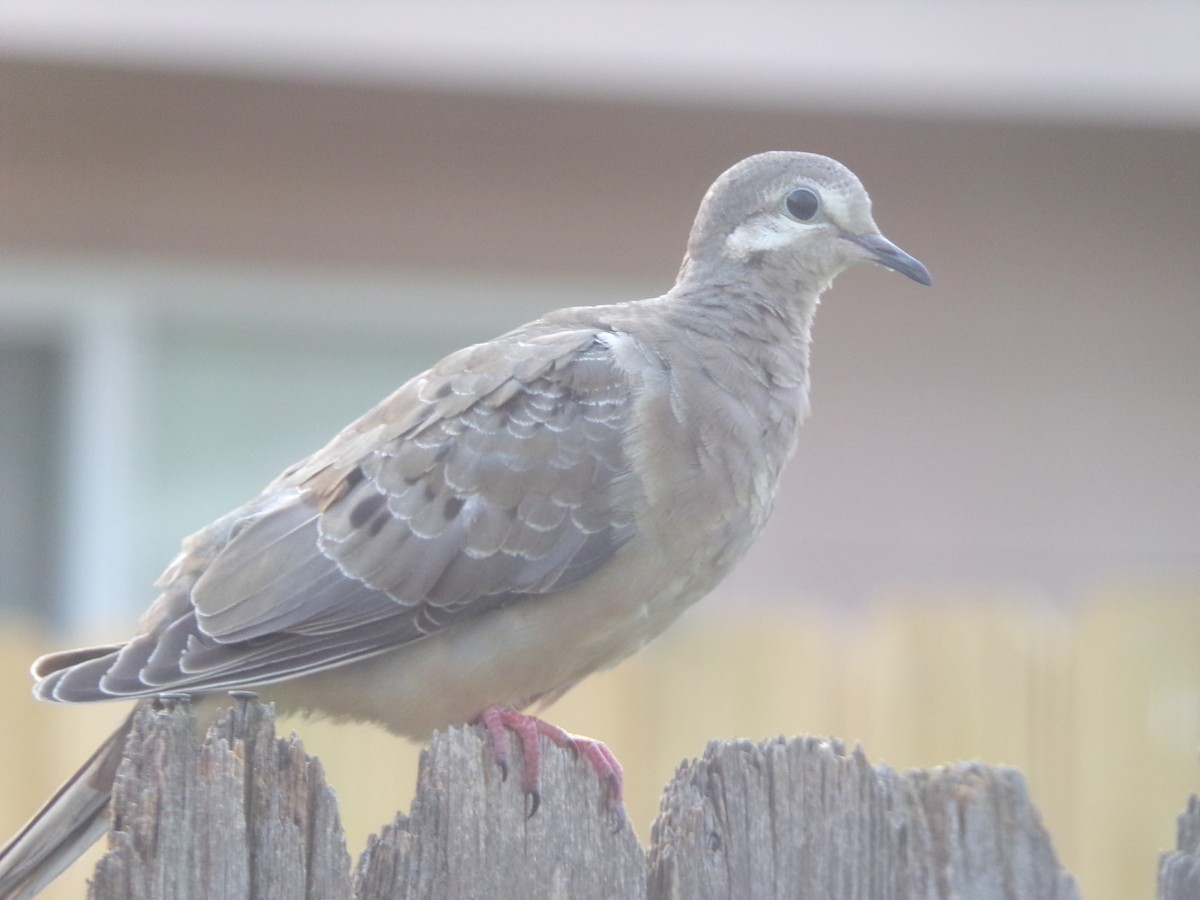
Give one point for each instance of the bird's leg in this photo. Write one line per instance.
(498, 721)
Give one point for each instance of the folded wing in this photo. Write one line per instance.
(498, 474)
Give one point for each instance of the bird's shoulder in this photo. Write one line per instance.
(566, 347)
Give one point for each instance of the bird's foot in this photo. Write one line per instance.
(498, 721)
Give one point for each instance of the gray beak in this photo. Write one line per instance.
(888, 254)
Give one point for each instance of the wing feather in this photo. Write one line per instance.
(500, 472)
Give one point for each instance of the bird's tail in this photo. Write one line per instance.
(70, 822)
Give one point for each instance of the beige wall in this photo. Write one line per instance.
(1033, 420)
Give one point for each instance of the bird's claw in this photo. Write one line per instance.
(533, 799)
(499, 721)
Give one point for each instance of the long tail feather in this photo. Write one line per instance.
(70, 822)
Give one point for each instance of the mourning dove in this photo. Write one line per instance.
(528, 511)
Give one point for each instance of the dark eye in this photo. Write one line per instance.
(803, 204)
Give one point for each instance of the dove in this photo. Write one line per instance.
(528, 511)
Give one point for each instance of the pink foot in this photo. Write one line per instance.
(498, 721)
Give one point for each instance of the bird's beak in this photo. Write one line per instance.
(888, 254)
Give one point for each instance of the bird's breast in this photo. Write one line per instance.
(715, 432)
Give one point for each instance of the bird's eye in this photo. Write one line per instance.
(803, 204)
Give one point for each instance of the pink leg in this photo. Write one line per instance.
(498, 721)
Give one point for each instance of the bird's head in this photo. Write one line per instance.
(792, 219)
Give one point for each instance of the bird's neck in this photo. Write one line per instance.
(773, 327)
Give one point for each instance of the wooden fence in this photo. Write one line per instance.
(249, 815)
(1099, 705)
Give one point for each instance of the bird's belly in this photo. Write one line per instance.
(535, 646)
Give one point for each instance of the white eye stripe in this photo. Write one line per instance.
(761, 234)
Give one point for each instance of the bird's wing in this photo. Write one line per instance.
(500, 472)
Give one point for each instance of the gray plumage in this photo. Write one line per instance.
(526, 512)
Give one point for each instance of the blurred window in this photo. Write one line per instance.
(31, 412)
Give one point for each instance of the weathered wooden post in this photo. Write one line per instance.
(802, 817)
(241, 814)
(1179, 870)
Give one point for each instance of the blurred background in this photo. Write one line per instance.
(227, 229)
